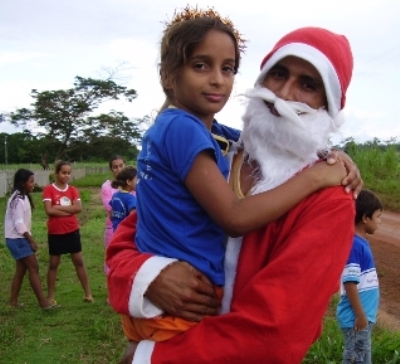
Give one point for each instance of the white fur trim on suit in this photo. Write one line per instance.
(143, 352)
(319, 61)
(139, 306)
(233, 247)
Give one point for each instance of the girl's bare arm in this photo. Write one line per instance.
(54, 210)
(238, 216)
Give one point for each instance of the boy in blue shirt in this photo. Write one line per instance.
(358, 306)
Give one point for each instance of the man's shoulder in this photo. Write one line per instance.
(331, 194)
(327, 199)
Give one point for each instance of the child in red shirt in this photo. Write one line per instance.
(61, 204)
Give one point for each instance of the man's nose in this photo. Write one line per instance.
(287, 91)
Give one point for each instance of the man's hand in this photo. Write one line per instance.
(353, 179)
(182, 291)
(129, 353)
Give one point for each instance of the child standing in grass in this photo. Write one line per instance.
(116, 164)
(123, 202)
(17, 231)
(358, 306)
(61, 204)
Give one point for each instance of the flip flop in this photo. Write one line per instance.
(52, 306)
(88, 299)
(17, 305)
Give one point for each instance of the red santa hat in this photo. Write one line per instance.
(328, 52)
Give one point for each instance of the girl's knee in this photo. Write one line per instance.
(77, 260)
(54, 262)
(31, 264)
(53, 265)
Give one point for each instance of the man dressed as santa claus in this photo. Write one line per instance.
(279, 279)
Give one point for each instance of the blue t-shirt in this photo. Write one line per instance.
(171, 222)
(231, 134)
(122, 202)
(360, 268)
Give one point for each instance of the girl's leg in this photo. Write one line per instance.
(16, 283)
(80, 268)
(32, 267)
(54, 262)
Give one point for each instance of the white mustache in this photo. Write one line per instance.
(288, 109)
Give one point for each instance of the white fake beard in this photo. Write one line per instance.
(282, 145)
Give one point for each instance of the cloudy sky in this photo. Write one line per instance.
(44, 44)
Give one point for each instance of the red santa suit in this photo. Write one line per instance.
(286, 274)
(279, 279)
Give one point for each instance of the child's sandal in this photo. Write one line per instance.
(16, 305)
(52, 306)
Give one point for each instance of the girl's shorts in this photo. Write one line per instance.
(157, 329)
(69, 243)
(19, 248)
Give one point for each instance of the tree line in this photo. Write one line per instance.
(62, 124)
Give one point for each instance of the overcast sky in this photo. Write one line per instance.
(44, 44)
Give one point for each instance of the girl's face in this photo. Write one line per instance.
(116, 166)
(131, 184)
(29, 185)
(63, 174)
(204, 84)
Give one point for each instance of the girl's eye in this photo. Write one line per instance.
(228, 69)
(200, 66)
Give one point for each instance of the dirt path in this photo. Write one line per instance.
(385, 245)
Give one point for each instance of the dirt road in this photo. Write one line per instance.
(385, 245)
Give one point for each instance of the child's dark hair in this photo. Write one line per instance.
(114, 158)
(366, 204)
(20, 178)
(127, 173)
(59, 164)
(184, 34)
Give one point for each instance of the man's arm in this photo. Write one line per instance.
(135, 285)
(281, 292)
(361, 320)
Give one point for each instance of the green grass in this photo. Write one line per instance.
(91, 333)
(92, 180)
(329, 347)
(380, 170)
(37, 166)
(77, 332)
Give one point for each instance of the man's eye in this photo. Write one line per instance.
(277, 74)
(309, 86)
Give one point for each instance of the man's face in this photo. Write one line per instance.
(294, 79)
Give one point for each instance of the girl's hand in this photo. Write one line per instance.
(33, 246)
(327, 175)
(352, 180)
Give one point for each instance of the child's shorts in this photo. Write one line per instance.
(69, 243)
(158, 329)
(19, 248)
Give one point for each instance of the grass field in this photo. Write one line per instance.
(79, 332)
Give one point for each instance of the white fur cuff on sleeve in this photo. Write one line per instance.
(140, 306)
